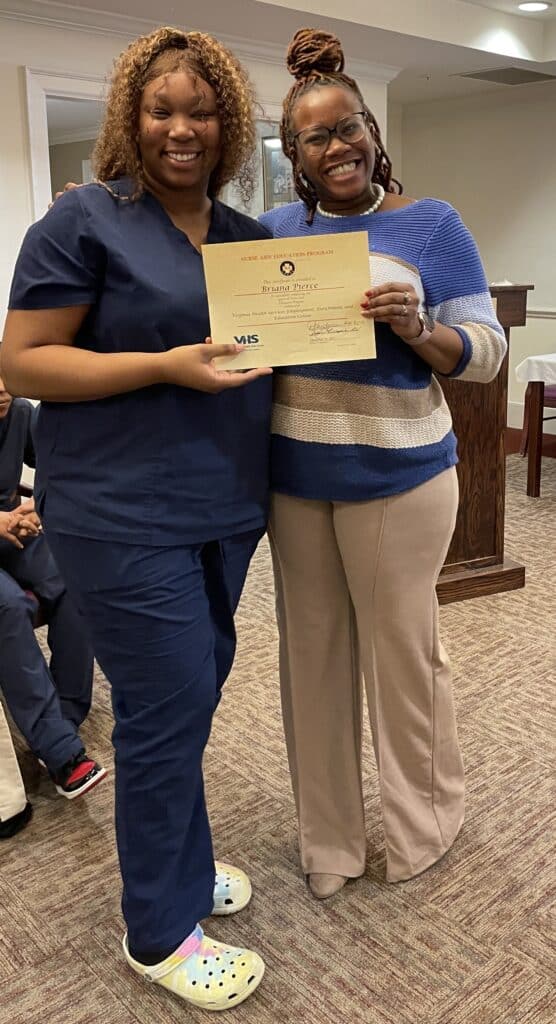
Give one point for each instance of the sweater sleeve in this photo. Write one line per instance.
(457, 295)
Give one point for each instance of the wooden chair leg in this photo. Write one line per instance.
(524, 444)
(535, 439)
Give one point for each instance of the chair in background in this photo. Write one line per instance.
(549, 402)
(539, 373)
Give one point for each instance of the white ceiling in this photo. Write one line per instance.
(511, 7)
(371, 30)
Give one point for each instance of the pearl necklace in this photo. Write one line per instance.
(380, 193)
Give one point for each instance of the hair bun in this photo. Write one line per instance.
(314, 51)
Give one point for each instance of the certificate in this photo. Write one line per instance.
(290, 300)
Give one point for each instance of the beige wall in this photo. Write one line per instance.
(36, 46)
(65, 162)
(394, 138)
(494, 157)
(15, 188)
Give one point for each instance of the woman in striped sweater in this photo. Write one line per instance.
(365, 493)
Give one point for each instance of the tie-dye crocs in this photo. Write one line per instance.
(204, 972)
(232, 889)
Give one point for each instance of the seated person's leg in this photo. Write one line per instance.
(15, 811)
(71, 665)
(28, 688)
(26, 682)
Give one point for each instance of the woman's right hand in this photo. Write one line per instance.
(192, 366)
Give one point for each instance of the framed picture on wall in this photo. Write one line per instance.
(86, 171)
(277, 175)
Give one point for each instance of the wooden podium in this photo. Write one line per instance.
(475, 564)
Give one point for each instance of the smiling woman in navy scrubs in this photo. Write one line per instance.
(152, 471)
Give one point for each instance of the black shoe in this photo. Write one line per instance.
(12, 826)
(78, 776)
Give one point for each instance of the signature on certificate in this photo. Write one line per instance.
(325, 327)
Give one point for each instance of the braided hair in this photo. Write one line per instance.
(315, 58)
(116, 153)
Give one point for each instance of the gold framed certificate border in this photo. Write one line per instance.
(290, 301)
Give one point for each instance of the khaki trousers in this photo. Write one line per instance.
(355, 585)
(12, 792)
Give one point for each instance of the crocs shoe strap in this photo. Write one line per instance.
(189, 946)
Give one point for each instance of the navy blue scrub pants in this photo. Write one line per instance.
(162, 626)
(48, 706)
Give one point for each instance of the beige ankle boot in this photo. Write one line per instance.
(324, 885)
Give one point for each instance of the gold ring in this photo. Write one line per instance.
(406, 298)
(404, 311)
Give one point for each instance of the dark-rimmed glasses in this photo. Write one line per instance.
(350, 128)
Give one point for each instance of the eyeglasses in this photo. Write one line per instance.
(348, 129)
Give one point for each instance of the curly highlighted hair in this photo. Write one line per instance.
(315, 58)
(116, 153)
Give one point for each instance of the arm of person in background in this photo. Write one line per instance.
(29, 457)
(55, 283)
(67, 188)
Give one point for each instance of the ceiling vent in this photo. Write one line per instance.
(509, 76)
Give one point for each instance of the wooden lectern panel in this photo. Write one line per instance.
(475, 563)
(474, 409)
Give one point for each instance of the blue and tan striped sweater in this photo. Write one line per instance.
(360, 430)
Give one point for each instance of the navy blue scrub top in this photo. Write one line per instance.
(162, 465)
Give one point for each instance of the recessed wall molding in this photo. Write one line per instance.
(77, 19)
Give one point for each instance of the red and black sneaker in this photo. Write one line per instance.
(78, 776)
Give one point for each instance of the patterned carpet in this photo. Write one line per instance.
(471, 941)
